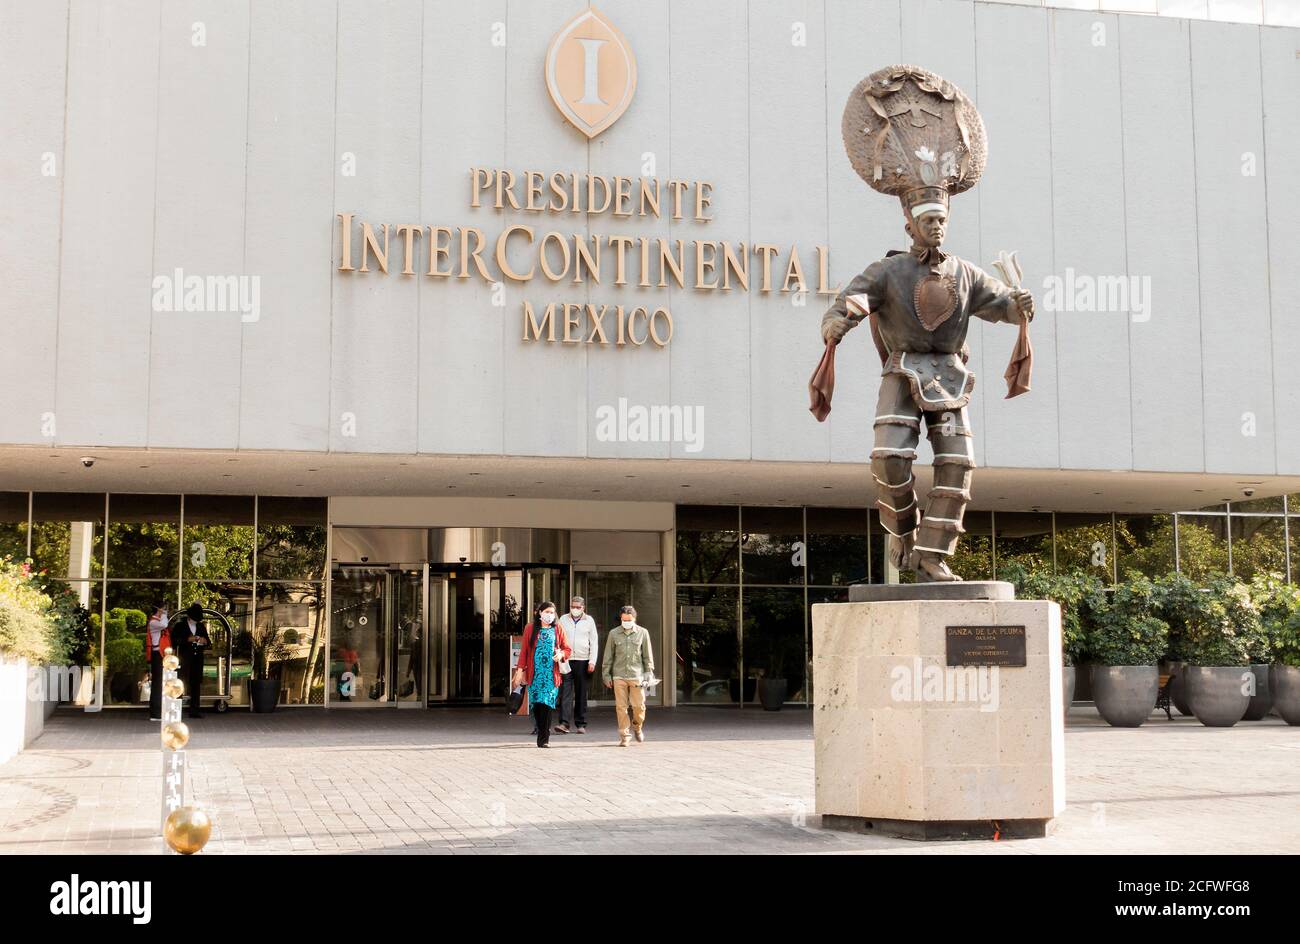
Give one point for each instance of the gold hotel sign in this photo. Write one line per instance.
(591, 76)
(590, 72)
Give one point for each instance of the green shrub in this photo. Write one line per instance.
(1070, 591)
(1224, 627)
(24, 633)
(1278, 603)
(1125, 627)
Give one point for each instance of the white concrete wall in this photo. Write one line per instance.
(21, 721)
(1118, 145)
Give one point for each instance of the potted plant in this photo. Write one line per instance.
(1277, 602)
(1070, 591)
(1179, 600)
(1127, 641)
(1218, 646)
(1284, 673)
(268, 649)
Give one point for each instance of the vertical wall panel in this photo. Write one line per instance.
(641, 374)
(1088, 223)
(787, 166)
(710, 360)
(462, 333)
(860, 37)
(106, 267)
(546, 383)
(1160, 232)
(1281, 99)
(33, 62)
(375, 325)
(199, 220)
(285, 393)
(1232, 224)
(1015, 199)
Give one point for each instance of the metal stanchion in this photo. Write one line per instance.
(185, 829)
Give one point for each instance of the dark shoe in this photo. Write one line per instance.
(561, 729)
(543, 745)
(533, 732)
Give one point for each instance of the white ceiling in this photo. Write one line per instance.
(683, 481)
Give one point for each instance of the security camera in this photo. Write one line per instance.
(1248, 492)
(87, 461)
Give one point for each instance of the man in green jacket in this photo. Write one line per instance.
(628, 661)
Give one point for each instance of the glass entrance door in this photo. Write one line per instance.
(474, 612)
(377, 636)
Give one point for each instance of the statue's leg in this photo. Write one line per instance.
(949, 433)
(897, 431)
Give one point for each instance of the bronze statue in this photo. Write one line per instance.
(911, 134)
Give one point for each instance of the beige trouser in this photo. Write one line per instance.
(626, 690)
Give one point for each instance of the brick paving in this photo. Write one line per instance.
(470, 781)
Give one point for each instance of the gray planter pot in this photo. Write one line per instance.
(1125, 694)
(771, 693)
(1069, 675)
(1216, 694)
(1284, 683)
(1178, 688)
(1261, 703)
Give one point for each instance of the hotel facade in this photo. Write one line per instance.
(372, 325)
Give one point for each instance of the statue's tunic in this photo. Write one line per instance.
(922, 302)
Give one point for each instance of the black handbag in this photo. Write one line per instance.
(515, 701)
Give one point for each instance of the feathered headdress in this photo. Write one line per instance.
(914, 135)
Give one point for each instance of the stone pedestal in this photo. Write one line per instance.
(908, 746)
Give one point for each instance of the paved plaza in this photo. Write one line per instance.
(705, 781)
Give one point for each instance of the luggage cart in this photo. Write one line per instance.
(218, 657)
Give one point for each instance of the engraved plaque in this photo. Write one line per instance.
(986, 645)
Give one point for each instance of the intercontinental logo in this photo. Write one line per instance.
(590, 72)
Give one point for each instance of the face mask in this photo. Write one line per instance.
(628, 624)
(576, 613)
(548, 619)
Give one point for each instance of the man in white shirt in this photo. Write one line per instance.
(580, 629)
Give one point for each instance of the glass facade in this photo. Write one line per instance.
(747, 577)
(244, 557)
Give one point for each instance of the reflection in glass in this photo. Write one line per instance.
(837, 546)
(68, 534)
(13, 525)
(772, 642)
(1202, 545)
(295, 612)
(767, 545)
(231, 645)
(291, 538)
(1024, 539)
(218, 537)
(357, 635)
(708, 651)
(144, 536)
(130, 603)
(708, 541)
(974, 557)
(1084, 541)
(1145, 543)
(606, 592)
(1258, 546)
